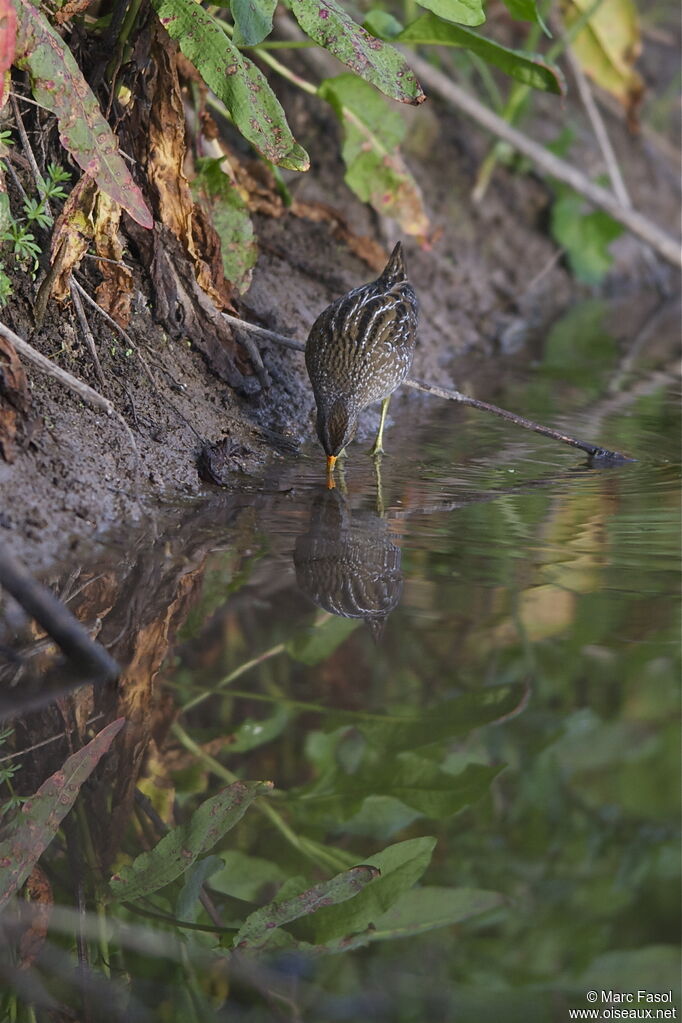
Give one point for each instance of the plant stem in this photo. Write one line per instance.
(264, 807)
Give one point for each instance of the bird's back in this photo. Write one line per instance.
(360, 347)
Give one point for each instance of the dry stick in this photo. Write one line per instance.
(594, 450)
(67, 632)
(667, 246)
(84, 391)
(37, 177)
(87, 333)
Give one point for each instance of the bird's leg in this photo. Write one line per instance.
(377, 448)
(380, 493)
(331, 462)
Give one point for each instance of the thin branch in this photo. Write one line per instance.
(42, 605)
(37, 177)
(593, 450)
(87, 333)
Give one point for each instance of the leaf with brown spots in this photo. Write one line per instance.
(59, 86)
(241, 86)
(179, 849)
(372, 59)
(14, 398)
(28, 835)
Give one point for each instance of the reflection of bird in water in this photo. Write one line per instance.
(359, 350)
(349, 567)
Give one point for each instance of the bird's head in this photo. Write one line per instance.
(336, 427)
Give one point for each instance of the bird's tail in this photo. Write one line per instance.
(395, 271)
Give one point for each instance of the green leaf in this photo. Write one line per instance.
(252, 20)
(254, 733)
(26, 837)
(401, 866)
(182, 846)
(231, 219)
(58, 85)
(585, 236)
(445, 721)
(245, 877)
(526, 10)
(252, 104)
(319, 642)
(528, 68)
(424, 909)
(375, 169)
(188, 900)
(327, 23)
(464, 12)
(416, 782)
(259, 925)
(382, 24)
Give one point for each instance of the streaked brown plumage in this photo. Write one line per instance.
(359, 350)
(349, 565)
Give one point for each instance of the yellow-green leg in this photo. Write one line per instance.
(377, 448)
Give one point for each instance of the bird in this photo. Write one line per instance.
(359, 349)
(348, 564)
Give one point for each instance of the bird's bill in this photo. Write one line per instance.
(331, 462)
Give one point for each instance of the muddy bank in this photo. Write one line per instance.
(489, 286)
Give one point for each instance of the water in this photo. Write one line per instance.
(467, 677)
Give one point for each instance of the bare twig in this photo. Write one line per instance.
(593, 450)
(87, 333)
(37, 176)
(640, 225)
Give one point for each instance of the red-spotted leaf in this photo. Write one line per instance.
(255, 109)
(59, 86)
(31, 831)
(259, 925)
(8, 40)
(372, 59)
(182, 846)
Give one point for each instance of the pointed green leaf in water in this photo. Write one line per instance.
(445, 721)
(231, 219)
(252, 20)
(182, 846)
(254, 733)
(29, 833)
(415, 781)
(259, 925)
(187, 906)
(244, 90)
(401, 866)
(58, 85)
(585, 236)
(375, 169)
(424, 909)
(377, 62)
(463, 12)
(244, 877)
(528, 68)
(316, 644)
(526, 10)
